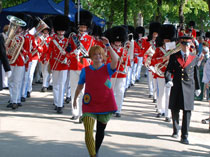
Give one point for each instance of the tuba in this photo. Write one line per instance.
(40, 27)
(12, 45)
(158, 67)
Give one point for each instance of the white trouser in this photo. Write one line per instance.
(150, 82)
(128, 77)
(138, 69)
(45, 75)
(119, 89)
(74, 78)
(4, 78)
(161, 99)
(155, 88)
(59, 79)
(167, 110)
(133, 75)
(38, 72)
(31, 74)
(67, 85)
(25, 81)
(15, 82)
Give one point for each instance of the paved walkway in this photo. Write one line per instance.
(35, 130)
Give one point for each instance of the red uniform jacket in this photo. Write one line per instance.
(45, 47)
(87, 41)
(58, 61)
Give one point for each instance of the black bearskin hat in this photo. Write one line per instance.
(207, 34)
(118, 33)
(107, 34)
(49, 22)
(86, 18)
(25, 17)
(61, 23)
(153, 27)
(140, 30)
(192, 23)
(97, 31)
(168, 31)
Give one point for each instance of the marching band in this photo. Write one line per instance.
(64, 53)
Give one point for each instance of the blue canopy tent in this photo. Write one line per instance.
(73, 9)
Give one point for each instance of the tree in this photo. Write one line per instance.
(66, 8)
(181, 12)
(125, 11)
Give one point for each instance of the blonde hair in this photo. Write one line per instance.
(95, 49)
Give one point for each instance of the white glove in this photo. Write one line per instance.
(8, 74)
(76, 52)
(197, 92)
(169, 84)
(63, 52)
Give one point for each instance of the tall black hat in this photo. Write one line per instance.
(140, 30)
(153, 27)
(168, 31)
(25, 17)
(118, 33)
(192, 23)
(86, 18)
(207, 35)
(97, 30)
(61, 23)
(107, 34)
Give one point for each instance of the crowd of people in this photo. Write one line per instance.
(92, 69)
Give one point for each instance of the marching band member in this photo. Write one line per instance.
(191, 26)
(59, 60)
(30, 41)
(34, 56)
(183, 66)
(139, 50)
(97, 34)
(167, 34)
(18, 64)
(81, 44)
(150, 48)
(45, 41)
(117, 39)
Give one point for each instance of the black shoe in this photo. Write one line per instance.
(132, 84)
(150, 96)
(158, 115)
(117, 115)
(167, 119)
(44, 89)
(184, 141)
(50, 88)
(19, 104)
(14, 106)
(23, 99)
(68, 100)
(6, 88)
(55, 107)
(74, 117)
(38, 82)
(28, 94)
(175, 135)
(163, 114)
(9, 105)
(137, 80)
(145, 75)
(59, 110)
(154, 100)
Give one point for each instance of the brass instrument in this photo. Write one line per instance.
(12, 45)
(150, 52)
(40, 27)
(80, 47)
(158, 67)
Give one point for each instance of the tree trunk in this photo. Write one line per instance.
(66, 8)
(181, 13)
(125, 11)
(158, 16)
(208, 2)
(111, 18)
(0, 5)
(135, 19)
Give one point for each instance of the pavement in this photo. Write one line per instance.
(36, 130)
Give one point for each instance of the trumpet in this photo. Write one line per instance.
(160, 66)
